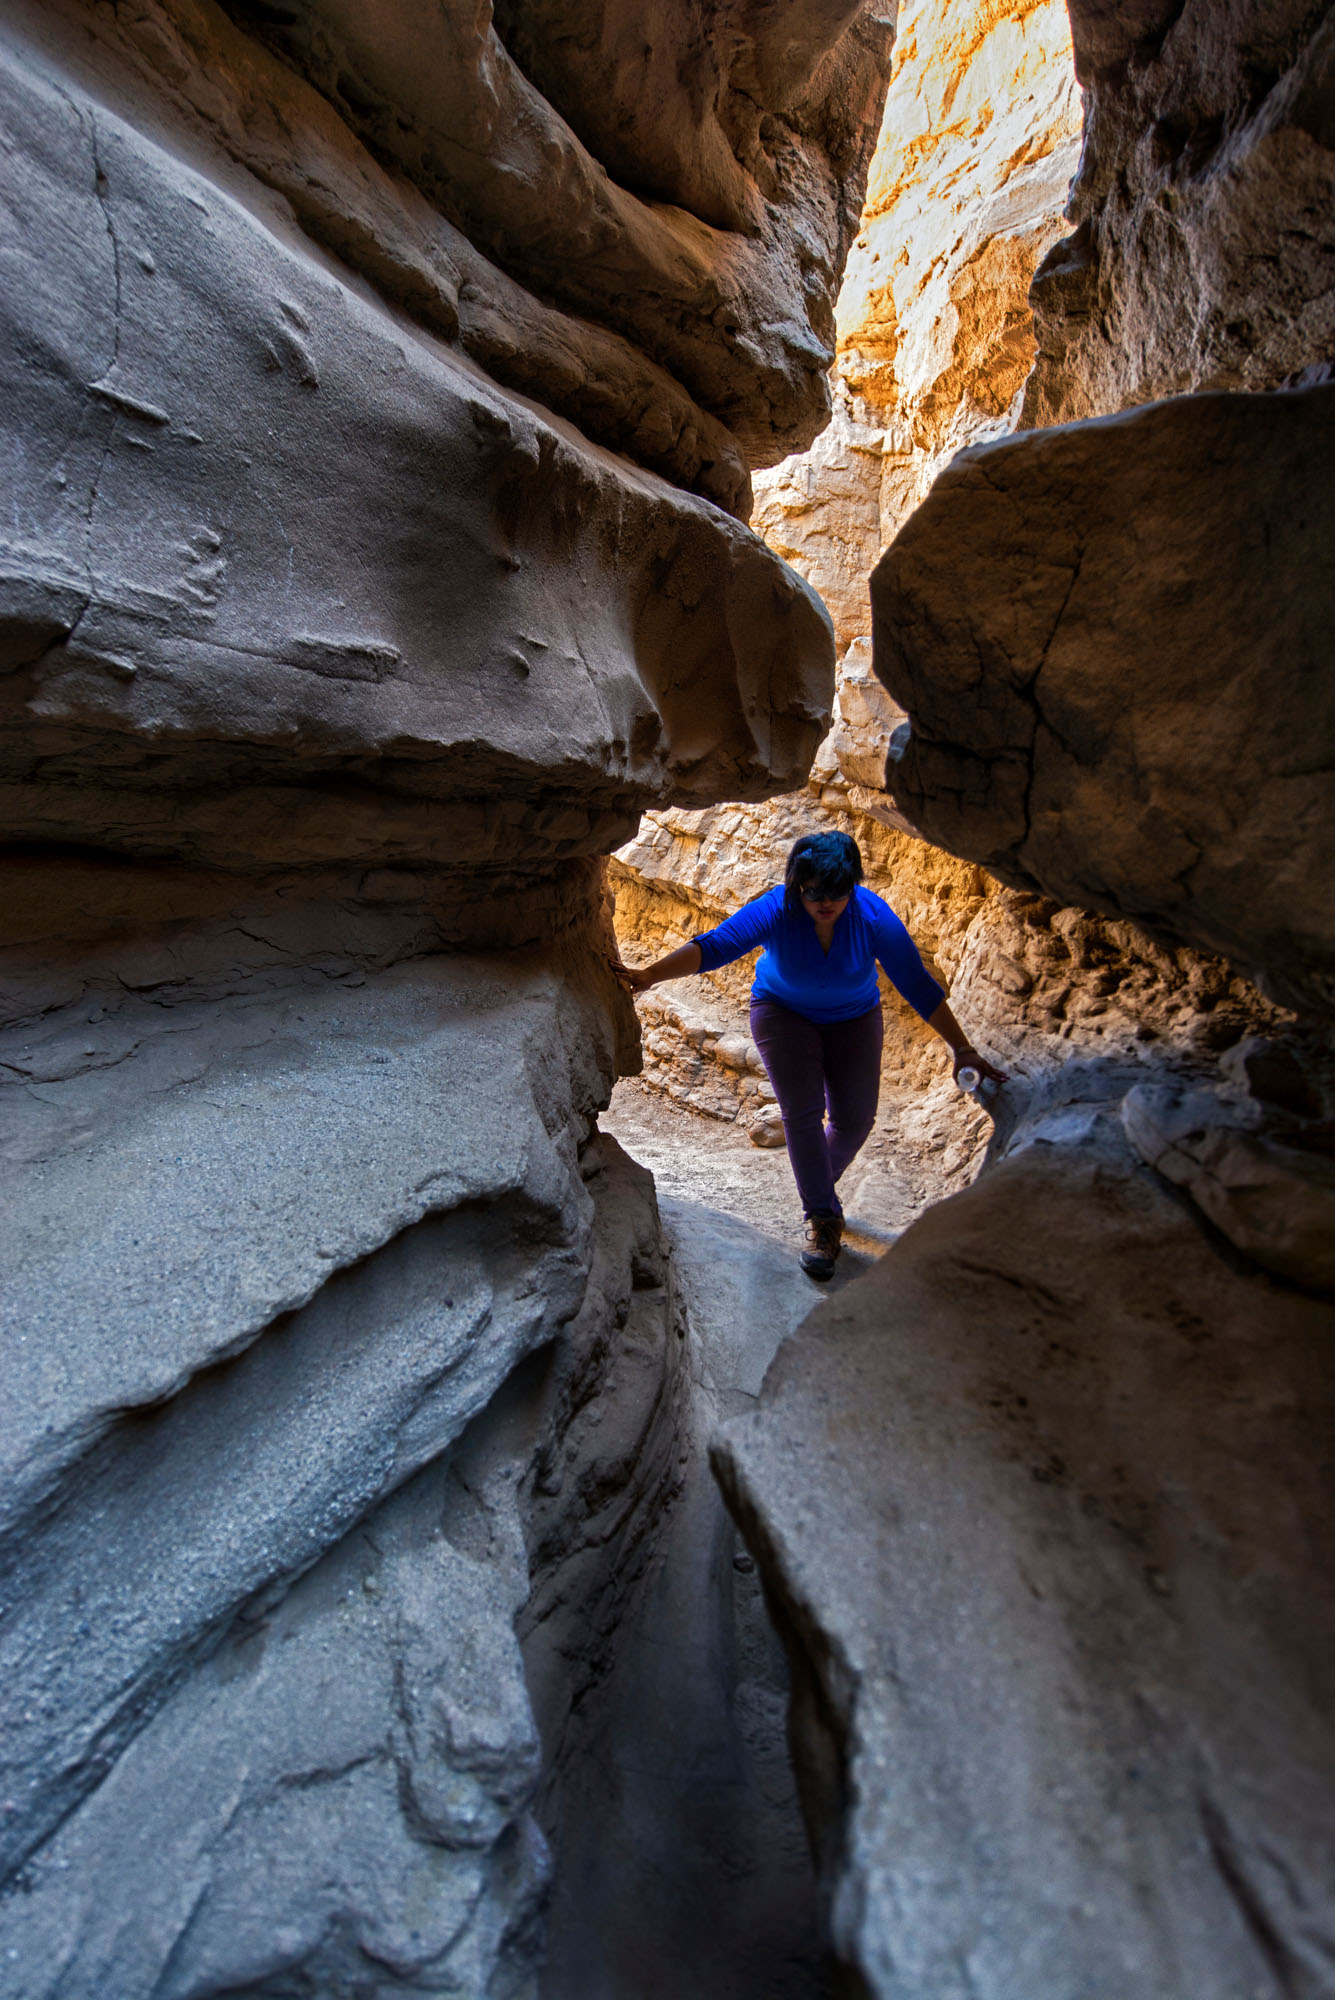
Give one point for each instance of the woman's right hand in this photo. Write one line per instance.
(633, 978)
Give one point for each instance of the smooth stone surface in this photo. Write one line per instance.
(274, 553)
(1045, 1499)
(753, 136)
(274, 1663)
(220, 1163)
(681, 1862)
(367, 1194)
(1111, 641)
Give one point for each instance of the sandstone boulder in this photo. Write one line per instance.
(1111, 640)
(1045, 1500)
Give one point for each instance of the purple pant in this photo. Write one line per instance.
(816, 1067)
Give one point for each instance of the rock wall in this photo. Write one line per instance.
(1043, 1497)
(978, 144)
(378, 412)
(1040, 1498)
(1202, 244)
(971, 169)
(1171, 791)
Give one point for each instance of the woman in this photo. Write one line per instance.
(816, 1013)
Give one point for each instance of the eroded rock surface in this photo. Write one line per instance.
(373, 455)
(1036, 982)
(681, 1861)
(263, 1268)
(1203, 244)
(1269, 1187)
(1045, 1499)
(1111, 640)
(698, 195)
(283, 572)
(964, 196)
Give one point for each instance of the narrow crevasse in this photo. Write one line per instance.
(385, 391)
(681, 1863)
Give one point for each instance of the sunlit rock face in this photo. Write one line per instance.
(377, 419)
(1035, 1495)
(966, 192)
(1203, 241)
(965, 195)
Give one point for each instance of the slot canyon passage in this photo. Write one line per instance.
(480, 480)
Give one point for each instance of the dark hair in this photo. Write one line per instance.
(829, 863)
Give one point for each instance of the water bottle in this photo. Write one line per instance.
(969, 1078)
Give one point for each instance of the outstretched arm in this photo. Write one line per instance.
(961, 1048)
(637, 979)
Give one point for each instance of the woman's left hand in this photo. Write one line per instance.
(967, 1058)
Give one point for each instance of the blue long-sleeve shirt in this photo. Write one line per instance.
(834, 986)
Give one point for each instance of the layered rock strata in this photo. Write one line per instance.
(266, 1266)
(371, 563)
(1043, 1496)
(965, 195)
(694, 192)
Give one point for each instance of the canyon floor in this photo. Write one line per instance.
(713, 1165)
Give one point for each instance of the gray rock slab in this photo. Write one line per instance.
(1111, 639)
(336, 1800)
(264, 530)
(681, 1864)
(1270, 1188)
(743, 1293)
(208, 1168)
(1046, 1499)
(264, 1259)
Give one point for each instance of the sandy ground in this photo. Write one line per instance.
(703, 1160)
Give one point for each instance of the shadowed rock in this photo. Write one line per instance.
(1045, 1498)
(1269, 1189)
(354, 600)
(287, 572)
(727, 277)
(1111, 640)
(1202, 240)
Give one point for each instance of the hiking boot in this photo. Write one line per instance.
(824, 1239)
